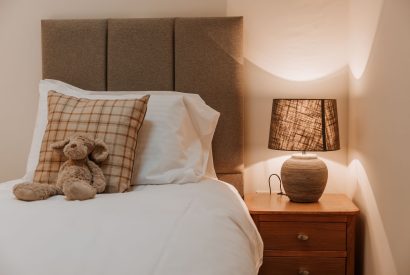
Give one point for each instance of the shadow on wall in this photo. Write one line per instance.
(262, 87)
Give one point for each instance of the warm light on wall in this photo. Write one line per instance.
(363, 29)
(294, 40)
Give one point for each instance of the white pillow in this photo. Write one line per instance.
(175, 141)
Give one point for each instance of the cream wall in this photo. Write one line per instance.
(20, 57)
(294, 49)
(379, 131)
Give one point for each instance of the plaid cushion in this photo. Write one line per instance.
(117, 122)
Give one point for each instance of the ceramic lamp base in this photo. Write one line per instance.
(304, 177)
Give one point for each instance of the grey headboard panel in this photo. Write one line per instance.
(196, 55)
(140, 54)
(75, 52)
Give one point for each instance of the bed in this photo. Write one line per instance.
(192, 228)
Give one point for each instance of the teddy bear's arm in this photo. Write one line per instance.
(98, 181)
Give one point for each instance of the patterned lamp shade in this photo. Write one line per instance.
(304, 125)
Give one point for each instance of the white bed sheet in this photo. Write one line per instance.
(192, 229)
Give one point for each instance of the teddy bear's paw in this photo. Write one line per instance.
(79, 190)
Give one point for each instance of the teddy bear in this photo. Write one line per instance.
(79, 178)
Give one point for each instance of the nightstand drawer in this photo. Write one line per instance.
(302, 266)
(303, 236)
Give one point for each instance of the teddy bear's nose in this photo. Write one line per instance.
(73, 145)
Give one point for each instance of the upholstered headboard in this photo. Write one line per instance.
(196, 55)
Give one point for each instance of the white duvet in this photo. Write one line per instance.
(192, 229)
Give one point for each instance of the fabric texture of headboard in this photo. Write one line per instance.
(195, 55)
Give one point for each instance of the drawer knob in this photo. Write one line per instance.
(303, 237)
(304, 272)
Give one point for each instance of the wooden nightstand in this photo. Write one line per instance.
(305, 238)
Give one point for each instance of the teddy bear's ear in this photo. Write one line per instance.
(100, 152)
(60, 144)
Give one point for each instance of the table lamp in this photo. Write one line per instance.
(304, 125)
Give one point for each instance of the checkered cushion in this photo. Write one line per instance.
(117, 122)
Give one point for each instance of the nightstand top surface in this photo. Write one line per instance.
(263, 203)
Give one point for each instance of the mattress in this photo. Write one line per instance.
(196, 228)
